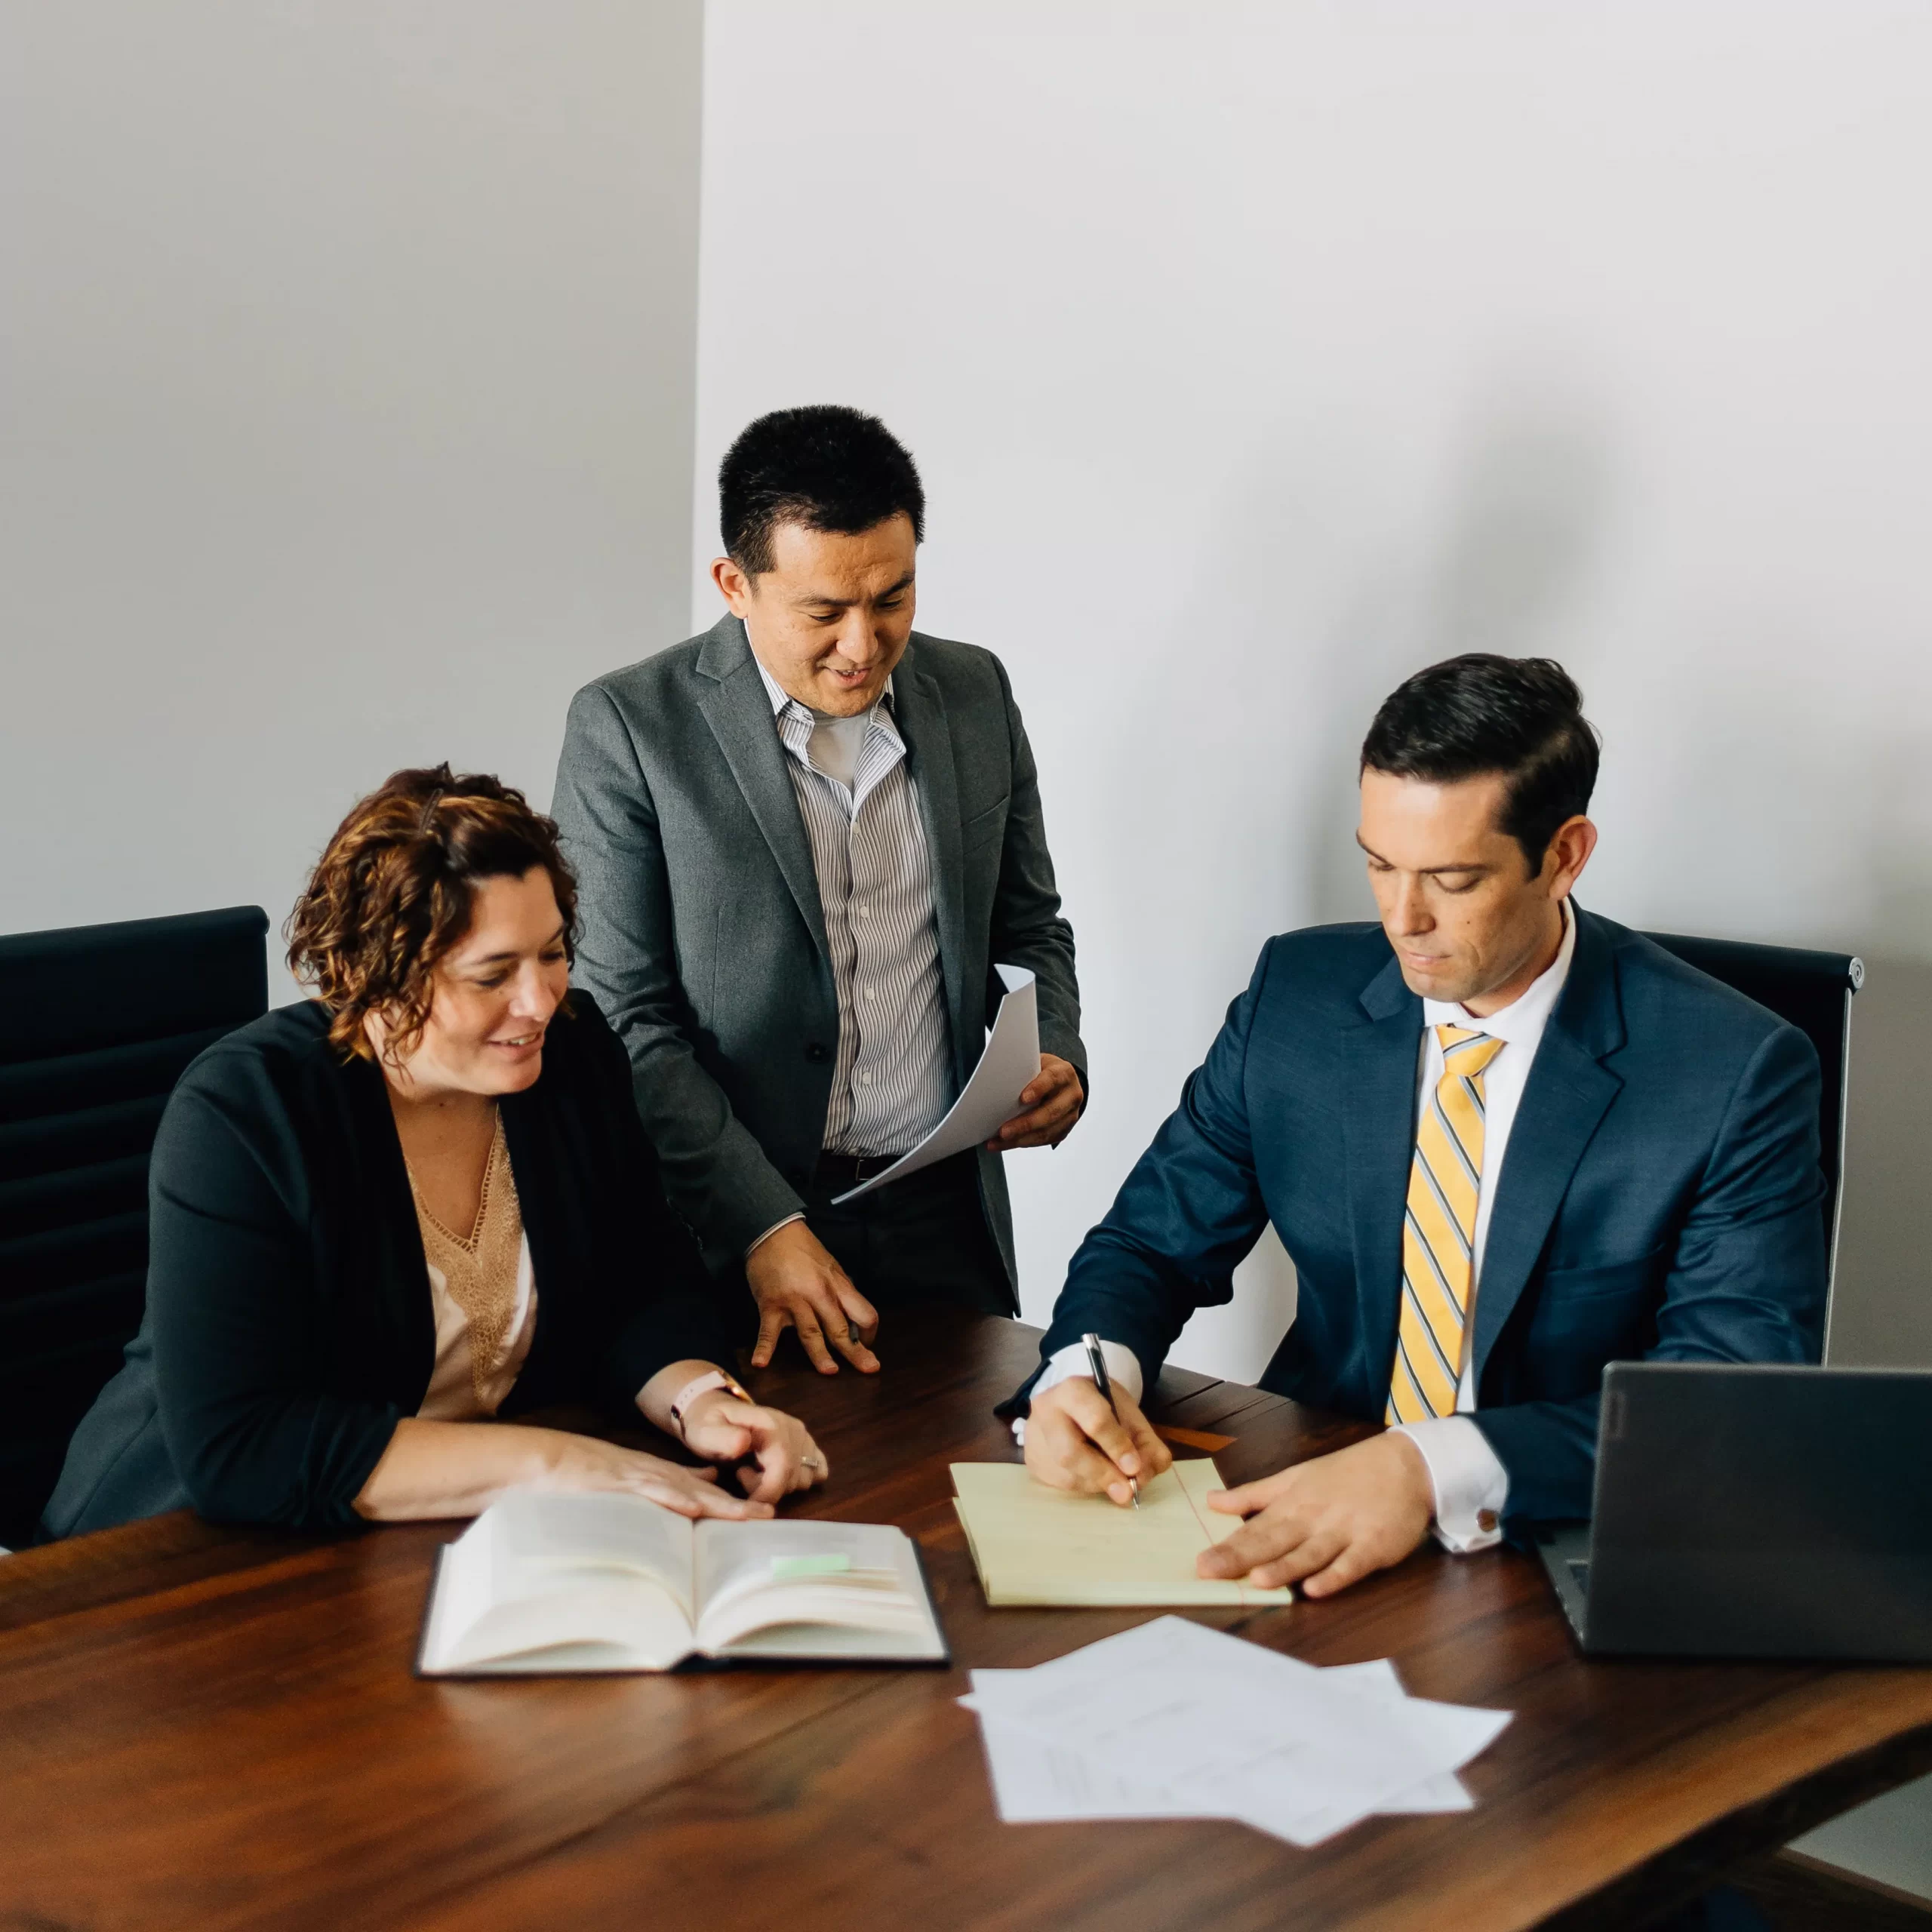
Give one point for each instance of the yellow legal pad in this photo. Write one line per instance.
(1038, 1545)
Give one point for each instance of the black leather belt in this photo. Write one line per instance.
(840, 1171)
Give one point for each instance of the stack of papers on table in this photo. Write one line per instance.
(1174, 1721)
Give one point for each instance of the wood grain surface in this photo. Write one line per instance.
(211, 1728)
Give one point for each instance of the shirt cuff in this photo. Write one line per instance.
(772, 1230)
(1123, 1371)
(1471, 1484)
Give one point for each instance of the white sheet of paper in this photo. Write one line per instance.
(991, 1098)
(1173, 1720)
(1177, 1750)
(1037, 1783)
(1034, 1783)
(1444, 1792)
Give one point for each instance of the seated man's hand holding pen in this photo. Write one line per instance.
(1074, 1440)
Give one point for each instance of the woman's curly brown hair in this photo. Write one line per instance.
(395, 890)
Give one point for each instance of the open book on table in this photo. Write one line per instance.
(543, 1582)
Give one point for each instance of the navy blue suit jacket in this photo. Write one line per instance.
(1659, 1197)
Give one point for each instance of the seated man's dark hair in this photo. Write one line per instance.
(1479, 713)
(825, 466)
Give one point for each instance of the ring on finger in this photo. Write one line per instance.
(813, 1462)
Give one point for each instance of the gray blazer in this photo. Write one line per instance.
(703, 941)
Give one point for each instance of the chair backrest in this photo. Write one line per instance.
(96, 1023)
(1812, 990)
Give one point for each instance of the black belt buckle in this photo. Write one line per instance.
(848, 1170)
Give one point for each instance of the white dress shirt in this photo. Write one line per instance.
(1472, 1487)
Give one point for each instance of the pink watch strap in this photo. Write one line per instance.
(701, 1385)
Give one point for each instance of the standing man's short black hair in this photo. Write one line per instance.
(825, 466)
(1479, 713)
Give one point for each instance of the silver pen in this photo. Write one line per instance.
(1098, 1362)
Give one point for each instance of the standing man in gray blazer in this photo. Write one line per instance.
(803, 840)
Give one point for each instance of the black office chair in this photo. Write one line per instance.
(96, 1023)
(1812, 990)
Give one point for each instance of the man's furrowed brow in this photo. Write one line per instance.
(1428, 872)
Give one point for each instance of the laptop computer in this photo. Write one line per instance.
(1745, 1510)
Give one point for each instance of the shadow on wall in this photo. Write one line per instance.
(1531, 501)
(1882, 1307)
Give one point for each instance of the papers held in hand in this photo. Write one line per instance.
(1033, 1544)
(543, 1582)
(991, 1098)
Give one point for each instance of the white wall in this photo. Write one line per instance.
(1255, 355)
(346, 352)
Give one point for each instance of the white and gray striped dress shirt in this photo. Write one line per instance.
(892, 1079)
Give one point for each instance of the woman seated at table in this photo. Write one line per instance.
(422, 1199)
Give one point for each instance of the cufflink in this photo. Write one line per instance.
(1485, 1521)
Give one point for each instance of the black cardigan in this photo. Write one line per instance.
(289, 1320)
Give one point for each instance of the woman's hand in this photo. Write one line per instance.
(458, 1468)
(582, 1462)
(724, 1429)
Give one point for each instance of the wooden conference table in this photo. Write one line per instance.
(214, 1728)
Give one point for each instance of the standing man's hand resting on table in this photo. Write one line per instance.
(1326, 1523)
(1073, 1441)
(1050, 1103)
(797, 1284)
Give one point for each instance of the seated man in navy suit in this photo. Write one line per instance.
(1505, 1142)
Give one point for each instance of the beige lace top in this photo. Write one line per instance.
(485, 1301)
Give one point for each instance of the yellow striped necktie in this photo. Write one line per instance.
(1438, 1231)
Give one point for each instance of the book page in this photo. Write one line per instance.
(811, 1589)
(1034, 1545)
(539, 1533)
(579, 1582)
